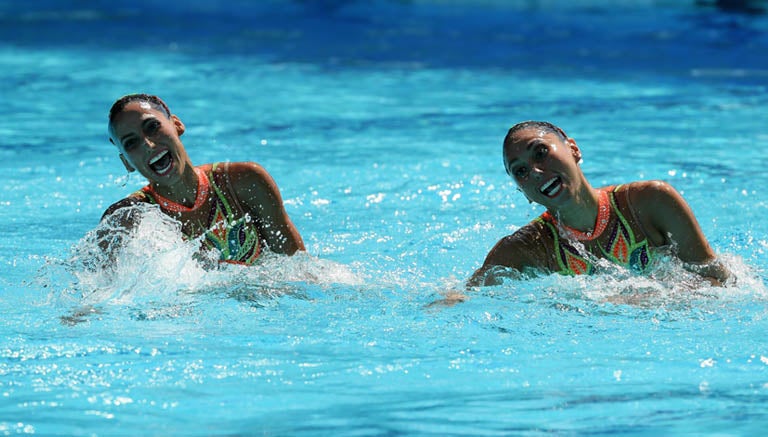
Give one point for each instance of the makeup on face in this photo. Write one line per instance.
(533, 161)
(146, 139)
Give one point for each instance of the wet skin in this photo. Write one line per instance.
(545, 167)
(149, 142)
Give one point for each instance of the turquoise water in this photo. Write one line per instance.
(382, 124)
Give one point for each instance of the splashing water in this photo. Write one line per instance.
(152, 264)
(381, 123)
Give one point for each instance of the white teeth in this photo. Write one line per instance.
(158, 157)
(555, 191)
(544, 188)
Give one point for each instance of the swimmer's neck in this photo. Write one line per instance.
(183, 191)
(581, 212)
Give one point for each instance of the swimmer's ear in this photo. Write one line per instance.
(128, 166)
(575, 151)
(179, 125)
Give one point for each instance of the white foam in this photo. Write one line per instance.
(153, 263)
(667, 282)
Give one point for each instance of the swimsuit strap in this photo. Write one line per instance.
(203, 187)
(569, 261)
(235, 238)
(601, 221)
(220, 213)
(146, 195)
(568, 258)
(622, 246)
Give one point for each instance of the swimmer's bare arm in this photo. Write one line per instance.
(508, 252)
(116, 222)
(669, 220)
(517, 251)
(127, 220)
(258, 193)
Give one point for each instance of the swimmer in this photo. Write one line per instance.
(626, 224)
(235, 208)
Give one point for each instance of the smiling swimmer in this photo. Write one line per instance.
(236, 207)
(624, 223)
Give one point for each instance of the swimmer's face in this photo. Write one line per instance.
(543, 164)
(149, 141)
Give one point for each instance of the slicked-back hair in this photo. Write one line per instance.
(541, 125)
(122, 102)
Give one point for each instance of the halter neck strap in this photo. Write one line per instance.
(203, 188)
(601, 221)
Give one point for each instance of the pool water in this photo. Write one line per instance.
(382, 124)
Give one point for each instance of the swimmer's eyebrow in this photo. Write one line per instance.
(143, 126)
(123, 138)
(147, 119)
(533, 143)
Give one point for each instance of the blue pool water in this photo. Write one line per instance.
(382, 124)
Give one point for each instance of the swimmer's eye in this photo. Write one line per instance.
(130, 143)
(540, 152)
(151, 126)
(520, 172)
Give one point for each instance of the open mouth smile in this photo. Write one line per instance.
(552, 187)
(161, 163)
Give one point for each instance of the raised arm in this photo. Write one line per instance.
(116, 222)
(258, 193)
(666, 214)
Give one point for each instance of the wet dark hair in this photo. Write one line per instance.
(541, 125)
(122, 102)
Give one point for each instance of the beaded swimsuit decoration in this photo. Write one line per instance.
(621, 247)
(233, 235)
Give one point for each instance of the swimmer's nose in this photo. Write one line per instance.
(536, 172)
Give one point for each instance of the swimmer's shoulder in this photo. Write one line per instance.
(248, 181)
(245, 175)
(653, 204)
(532, 234)
(654, 200)
(136, 198)
(527, 247)
(235, 170)
(643, 193)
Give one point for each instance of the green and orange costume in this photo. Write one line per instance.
(229, 228)
(622, 246)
